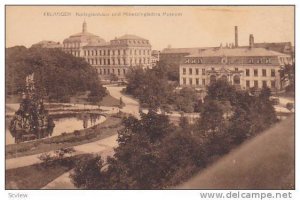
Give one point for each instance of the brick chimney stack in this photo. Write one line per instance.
(251, 41)
(236, 36)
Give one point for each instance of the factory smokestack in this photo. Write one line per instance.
(236, 36)
(251, 41)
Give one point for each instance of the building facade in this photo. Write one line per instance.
(112, 58)
(242, 67)
(154, 57)
(176, 55)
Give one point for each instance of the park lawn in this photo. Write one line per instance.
(108, 100)
(37, 176)
(81, 98)
(32, 176)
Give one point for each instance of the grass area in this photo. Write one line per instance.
(108, 128)
(37, 176)
(81, 98)
(108, 100)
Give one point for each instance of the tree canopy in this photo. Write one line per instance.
(58, 73)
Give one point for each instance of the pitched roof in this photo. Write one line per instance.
(219, 52)
(130, 37)
(194, 50)
(276, 46)
(96, 44)
(84, 37)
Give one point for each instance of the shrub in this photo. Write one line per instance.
(289, 106)
(76, 133)
(87, 173)
(46, 159)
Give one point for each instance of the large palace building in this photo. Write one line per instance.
(244, 67)
(110, 58)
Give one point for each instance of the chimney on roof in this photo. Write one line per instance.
(84, 27)
(236, 36)
(251, 41)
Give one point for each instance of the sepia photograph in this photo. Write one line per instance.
(144, 97)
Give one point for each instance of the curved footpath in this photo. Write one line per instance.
(131, 105)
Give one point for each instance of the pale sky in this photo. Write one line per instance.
(195, 26)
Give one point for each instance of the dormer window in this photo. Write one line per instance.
(199, 60)
(224, 60)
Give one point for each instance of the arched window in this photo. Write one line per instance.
(224, 78)
(236, 80)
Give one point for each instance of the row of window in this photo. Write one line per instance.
(191, 71)
(197, 81)
(263, 72)
(248, 82)
(119, 61)
(111, 71)
(74, 53)
(225, 60)
(116, 52)
(284, 60)
(255, 71)
(130, 41)
(263, 84)
(77, 44)
(72, 45)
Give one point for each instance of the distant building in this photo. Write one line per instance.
(242, 67)
(282, 47)
(154, 57)
(114, 57)
(47, 44)
(176, 55)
